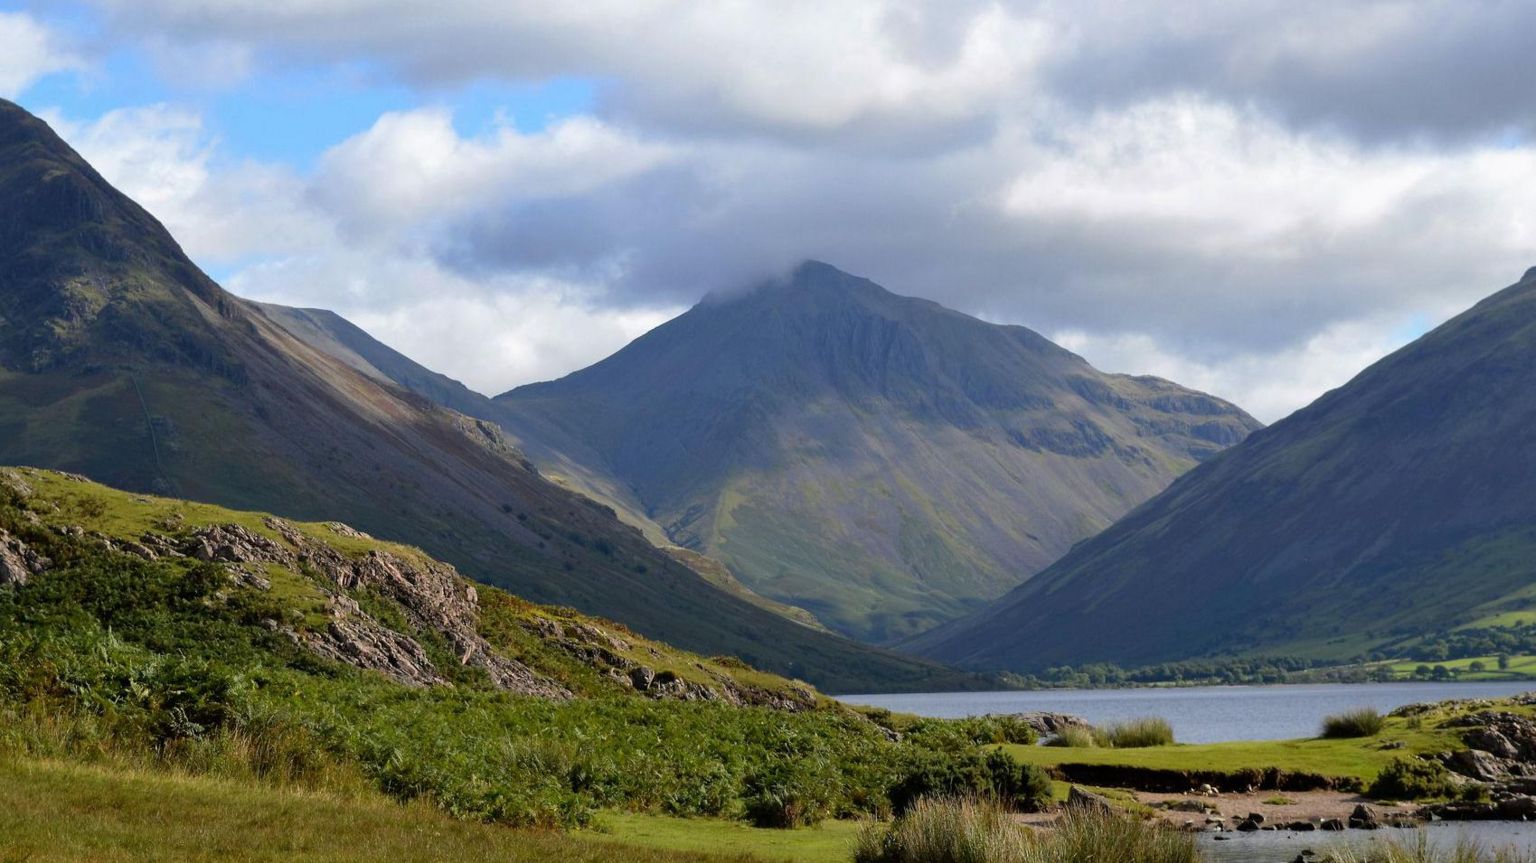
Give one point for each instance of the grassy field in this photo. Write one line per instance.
(1520, 668)
(828, 842)
(52, 811)
(1361, 758)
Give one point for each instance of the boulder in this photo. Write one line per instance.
(1048, 724)
(1477, 764)
(1077, 798)
(1364, 818)
(1331, 824)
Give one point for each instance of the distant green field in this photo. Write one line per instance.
(1520, 667)
(1360, 758)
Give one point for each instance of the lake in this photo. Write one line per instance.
(1283, 847)
(1199, 714)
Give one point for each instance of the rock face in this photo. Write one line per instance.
(434, 597)
(611, 653)
(18, 563)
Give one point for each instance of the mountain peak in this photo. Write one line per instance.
(1530, 275)
(83, 269)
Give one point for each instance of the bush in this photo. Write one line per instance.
(995, 776)
(1138, 733)
(1361, 722)
(1412, 779)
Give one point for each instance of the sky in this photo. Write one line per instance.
(1257, 199)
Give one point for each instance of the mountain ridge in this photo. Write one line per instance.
(758, 425)
(1392, 507)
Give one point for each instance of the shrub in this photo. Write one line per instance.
(1074, 737)
(995, 776)
(1361, 722)
(1412, 779)
(1137, 733)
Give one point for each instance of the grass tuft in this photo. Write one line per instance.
(978, 831)
(1074, 738)
(1137, 733)
(1360, 722)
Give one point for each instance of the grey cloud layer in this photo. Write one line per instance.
(1222, 192)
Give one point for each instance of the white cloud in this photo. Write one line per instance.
(1231, 196)
(29, 51)
(220, 211)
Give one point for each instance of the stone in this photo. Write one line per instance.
(1477, 764)
(18, 562)
(1047, 724)
(1247, 826)
(642, 678)
(1301, 826)
(1077, 798)
(1331, 824)
(1363, 818)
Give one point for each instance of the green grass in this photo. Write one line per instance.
(1361, 758)
(1360, 722)
(828, 842)
(69, 812)
(975, 831)
(1138, 733)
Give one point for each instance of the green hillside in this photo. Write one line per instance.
(880, 461)
(154, 634)
(1395, 512)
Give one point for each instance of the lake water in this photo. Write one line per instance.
(1282, 847)
(1199, 714)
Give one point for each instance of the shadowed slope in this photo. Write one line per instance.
(1398, 504)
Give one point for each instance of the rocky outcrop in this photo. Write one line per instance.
(1498, 763)
(1048, 724)
(432, 595)
(355, 638)
(613, 654)
(18, 562)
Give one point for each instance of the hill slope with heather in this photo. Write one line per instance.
(122, 361)
(880, 461)
(1400, 504)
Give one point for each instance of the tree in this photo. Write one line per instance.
(1476, 665)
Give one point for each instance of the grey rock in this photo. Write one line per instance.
(1077, 798)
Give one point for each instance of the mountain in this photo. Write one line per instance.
(120, 360)
(881, 461)
(1400, 504)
